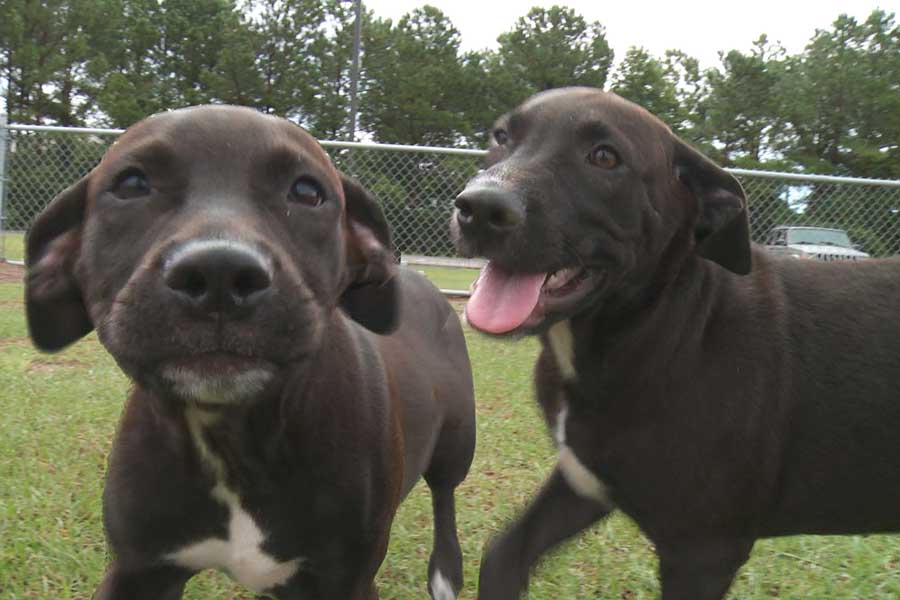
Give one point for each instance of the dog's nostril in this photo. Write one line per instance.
(502, 218)
(218, 277)
(187, 281)
(249, 281)
(464, 209)
(195, 284)
(490, 209)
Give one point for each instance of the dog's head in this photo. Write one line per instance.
(587, 197)
(209, 248)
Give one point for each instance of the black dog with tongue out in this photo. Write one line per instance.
(713, 393)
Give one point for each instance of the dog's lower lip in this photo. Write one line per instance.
(216, 363)
(564, 289)
(562, 282)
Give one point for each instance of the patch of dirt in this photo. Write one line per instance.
(11, 273)
(14, 341)
(43, 365)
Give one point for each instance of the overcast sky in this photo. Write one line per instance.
(699, 27)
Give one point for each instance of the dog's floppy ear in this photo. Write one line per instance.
(722, 231)
(370, 297)
(55, 308)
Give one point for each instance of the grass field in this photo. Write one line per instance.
(450, 279)
(58, 414)
(13, 245)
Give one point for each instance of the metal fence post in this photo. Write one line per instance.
(4, 135)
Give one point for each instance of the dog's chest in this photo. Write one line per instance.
(579, 477)
(240, 553)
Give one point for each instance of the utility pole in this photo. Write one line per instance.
(354, 70)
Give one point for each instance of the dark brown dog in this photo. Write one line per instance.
(219, 253)
(714, 394)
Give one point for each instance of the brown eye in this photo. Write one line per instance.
(501, 137)
(132, 183)
(604, 157)
(305, 191)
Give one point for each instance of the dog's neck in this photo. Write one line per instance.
(300, 410)
(609, 339)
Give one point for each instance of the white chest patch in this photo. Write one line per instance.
(240, 554)
(578, 476)
(563, 346)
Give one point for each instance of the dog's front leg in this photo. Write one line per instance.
(150, 583)
(701, 569)
(557, 514)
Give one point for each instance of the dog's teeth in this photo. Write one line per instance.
(558, 279)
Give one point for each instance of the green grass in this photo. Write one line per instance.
(13, 245)
(58, 414)
(449, 279)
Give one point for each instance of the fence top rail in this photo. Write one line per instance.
(814, 178)
(325, 143)
(57, 129)
(799, 177)
(401, 148)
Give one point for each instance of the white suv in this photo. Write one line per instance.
(819, 243)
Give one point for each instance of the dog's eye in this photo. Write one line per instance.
(501, 137)
(604, 157)
(305, 191)
(131, 184)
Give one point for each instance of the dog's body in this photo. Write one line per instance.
(235, 277)
(712, 403)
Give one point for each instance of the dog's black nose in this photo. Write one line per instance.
(218, 277)
(489, 210)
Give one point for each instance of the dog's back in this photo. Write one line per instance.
(437, 401)
(841, 336)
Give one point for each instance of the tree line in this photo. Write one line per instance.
(832, 108)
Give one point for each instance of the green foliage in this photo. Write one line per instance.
(642, 79)
(556, 47)
(833, 108)
(741, 105)
(840, 99)
(290, 35)
(413, 80)
(684, 74)
(45, 49)
(170, 54)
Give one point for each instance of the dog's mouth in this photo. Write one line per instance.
(503, 302)
(216, 378)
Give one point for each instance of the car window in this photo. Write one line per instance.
(819, 237)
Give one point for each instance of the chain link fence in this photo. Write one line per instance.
(416, 186)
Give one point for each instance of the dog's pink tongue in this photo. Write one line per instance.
(502, 301)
